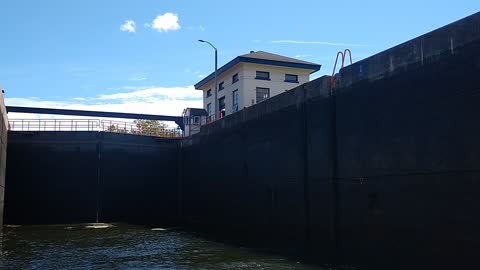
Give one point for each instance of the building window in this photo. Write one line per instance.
(209, 92)
(235, 101)
(196, 120)
(221, 86)
(291, 78)
(262, 75)
(221, 104)
(209, 109)
(235, 78)
(262, 94)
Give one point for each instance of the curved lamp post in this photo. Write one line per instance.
(216, 84)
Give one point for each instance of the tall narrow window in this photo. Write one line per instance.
(209, 109)
(235, 101)
(209, 92)
(235, 78)
(221, 86)
(262, 94)
(262, 75)
(221, 104)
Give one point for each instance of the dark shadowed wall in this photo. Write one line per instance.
(383, 172)
(71, 177)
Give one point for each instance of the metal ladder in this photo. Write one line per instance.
(343, 55)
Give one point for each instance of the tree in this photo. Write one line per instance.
(116, 128)
(150, 127)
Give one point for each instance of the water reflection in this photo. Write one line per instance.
(126, 247)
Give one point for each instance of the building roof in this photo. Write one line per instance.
(196, 111)
(261, 57)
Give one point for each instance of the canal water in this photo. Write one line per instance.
(126, 247)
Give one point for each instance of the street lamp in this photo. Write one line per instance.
(216, 84)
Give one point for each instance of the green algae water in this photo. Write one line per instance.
(126, 247)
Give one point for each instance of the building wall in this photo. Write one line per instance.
(247, 84)
(276, 84)
(226, 77)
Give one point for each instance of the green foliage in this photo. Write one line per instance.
(149, 127)
(116, 128)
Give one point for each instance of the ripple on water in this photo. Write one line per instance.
(125, 247)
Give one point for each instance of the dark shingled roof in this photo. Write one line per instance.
(264, 58)
(197, 112)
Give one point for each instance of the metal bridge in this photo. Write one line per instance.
(93, 124)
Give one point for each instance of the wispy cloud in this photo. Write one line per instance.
(302, 55)
(128, 26)
(199, 28)
(198, 74)
(138, 78)
(166, 22)
(320, 43)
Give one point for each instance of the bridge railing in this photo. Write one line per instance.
(54, 124)
(93, 125)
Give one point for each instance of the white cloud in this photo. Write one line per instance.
(155, 94)
(128, 26)
(319, 43)
(166, 22)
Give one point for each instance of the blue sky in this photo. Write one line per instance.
(77, 54)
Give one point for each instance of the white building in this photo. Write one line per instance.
(251, 78)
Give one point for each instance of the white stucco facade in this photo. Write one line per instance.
(248, 83)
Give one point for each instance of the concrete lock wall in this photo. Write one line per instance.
(384, 174)
(70, 177)
(3, 151)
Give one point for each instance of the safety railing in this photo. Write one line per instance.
(152, 128)
(54, 124)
